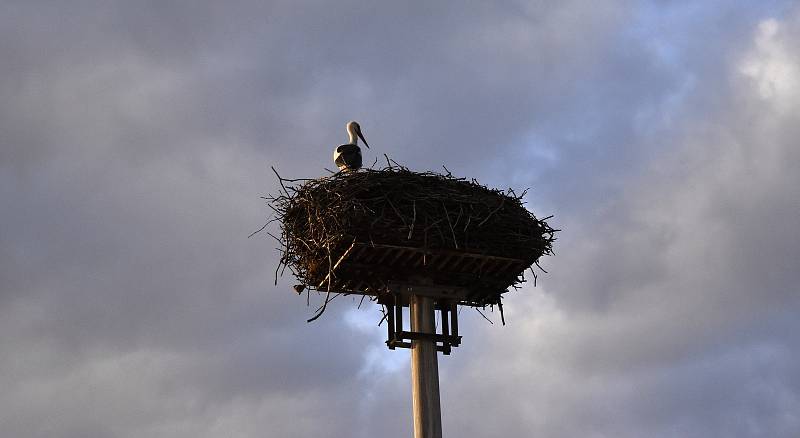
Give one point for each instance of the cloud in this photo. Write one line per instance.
(671, 307)
(137, 140)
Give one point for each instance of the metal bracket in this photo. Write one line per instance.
(397, 337)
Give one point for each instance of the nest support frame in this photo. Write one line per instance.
(468, 278)
(399, 296)
(393, 274)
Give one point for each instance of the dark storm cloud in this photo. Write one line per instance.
(137, 138)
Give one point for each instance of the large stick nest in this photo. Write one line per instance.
(395, 207)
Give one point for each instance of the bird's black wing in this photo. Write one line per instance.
(349, 155)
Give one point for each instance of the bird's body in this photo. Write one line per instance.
(348, 156)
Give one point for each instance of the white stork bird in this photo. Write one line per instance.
(348, 156)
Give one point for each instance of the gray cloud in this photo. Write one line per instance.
(137, 139)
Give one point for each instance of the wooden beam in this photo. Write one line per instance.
(438, 251)
(424, 371)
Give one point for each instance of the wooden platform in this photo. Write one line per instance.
(468, 278)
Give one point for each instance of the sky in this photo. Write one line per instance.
(136, 139)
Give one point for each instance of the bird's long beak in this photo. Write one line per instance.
(361, 136)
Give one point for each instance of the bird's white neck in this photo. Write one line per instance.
(353, 137)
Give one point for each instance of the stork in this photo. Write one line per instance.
(348, 156)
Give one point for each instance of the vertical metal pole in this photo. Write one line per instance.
(424, 371)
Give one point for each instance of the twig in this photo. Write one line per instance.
(327, 296)
(338, 262)
(484, 316)
(502, 201)
(280, 180)
(262, 228)
(413, 220)
(385, 314)
(447, 215)
(361, 301)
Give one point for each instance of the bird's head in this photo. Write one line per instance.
(354, 130)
